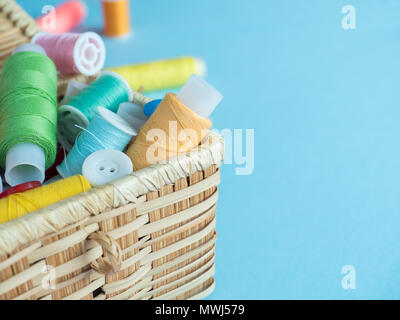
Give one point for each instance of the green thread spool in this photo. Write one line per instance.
(109, 90)
(28, 115)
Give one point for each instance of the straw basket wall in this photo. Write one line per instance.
(150, 235)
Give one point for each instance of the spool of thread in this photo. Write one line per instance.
(19, 204)
(66, 17)
(133, 114)
(28, 115)
(116, 15)
(107, 130)
(163, 74)
(181, 126)
(72, 53)
(109, 90)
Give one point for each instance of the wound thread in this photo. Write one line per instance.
(116, 18)
(73, 52)
(164, 136)
(19, 204)
(105, 131)
(163, 74)
(28, 104)
(109, 90)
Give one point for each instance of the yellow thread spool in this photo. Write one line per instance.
(170, 110)
(161, 74)
(19, 204)
(116, 18)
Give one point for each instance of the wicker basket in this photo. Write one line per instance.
(150, 235)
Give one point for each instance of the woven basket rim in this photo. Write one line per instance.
(19, 17)
(35, 225)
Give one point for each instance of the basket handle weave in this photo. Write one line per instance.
(112, 261)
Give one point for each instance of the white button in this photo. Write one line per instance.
(106, 166)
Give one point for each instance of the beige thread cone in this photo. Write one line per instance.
(170, 109)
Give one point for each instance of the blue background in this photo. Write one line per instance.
(324, 103)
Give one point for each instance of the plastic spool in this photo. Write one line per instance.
(70, 118)
(117, 121)
(1, 185)
(198, 95)
(29, 47)
(116, 17)
(26, 161)
(133, 114)
(106, 166)
(74, 87)
(89, 52)
(68, 15)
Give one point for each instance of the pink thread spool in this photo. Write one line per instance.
(83, 53)
(66, 17)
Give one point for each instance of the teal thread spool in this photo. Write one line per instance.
(107, 131)
(28, 115)
(109, 90)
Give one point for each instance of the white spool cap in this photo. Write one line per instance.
(29, 47)
(201, 67)
(89, 52)
(116, 121)
(1, 185)
(198, 95)
(25, 162)
(106, 166)
(74, 87)
(133, 114)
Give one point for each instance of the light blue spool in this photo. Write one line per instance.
(106, 131)
(109, 90)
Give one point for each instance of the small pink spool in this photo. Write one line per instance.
(67, 16)
(83, 53)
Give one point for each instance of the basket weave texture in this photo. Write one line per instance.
(150, 235)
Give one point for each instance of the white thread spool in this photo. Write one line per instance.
(74, 87)
(133, 114)
(198, 95)
(89, 52)
(26, 161)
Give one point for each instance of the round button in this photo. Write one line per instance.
(20, 188)
(106, 166)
